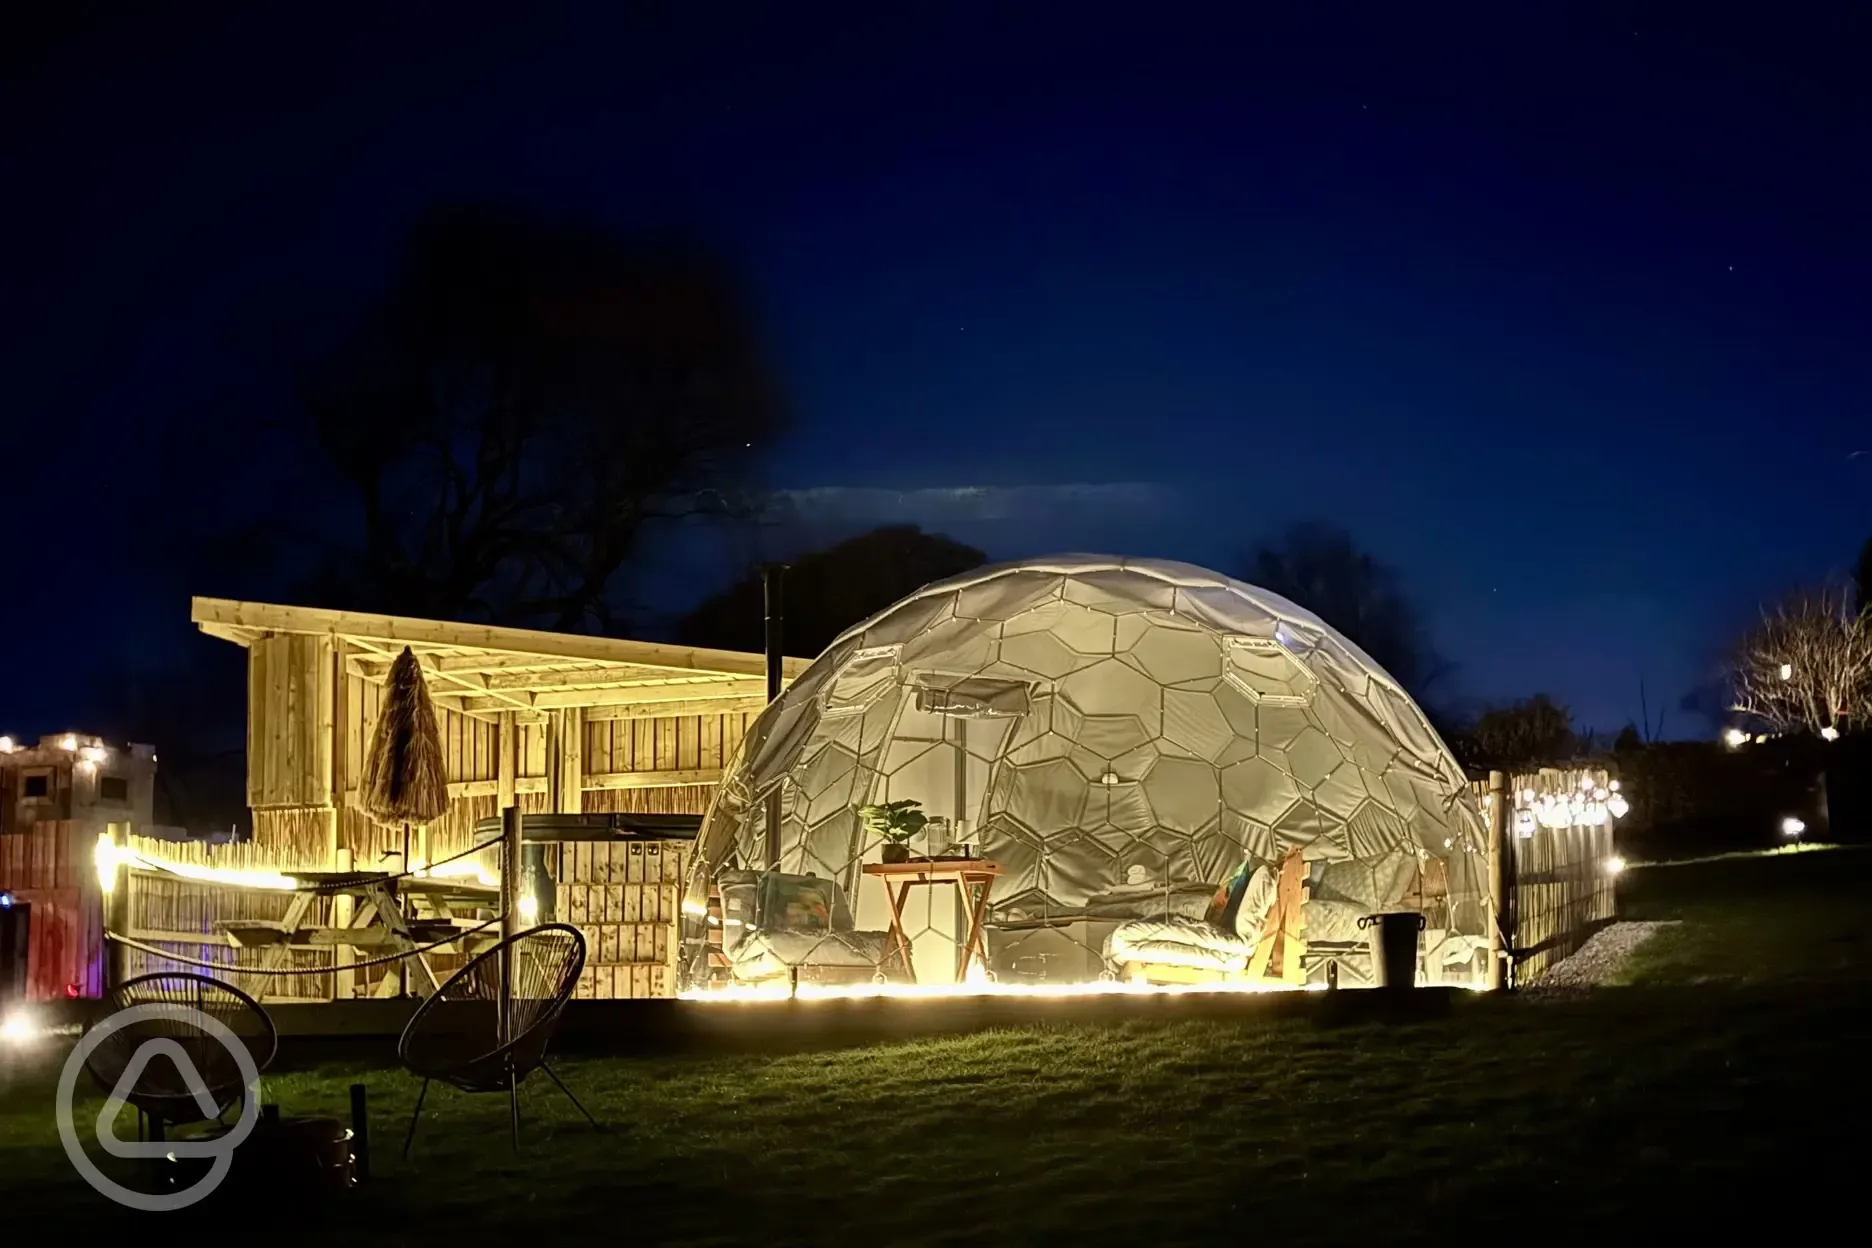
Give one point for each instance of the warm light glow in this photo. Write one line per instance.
(1791, 826)
(94, 754)
(529, 908)
(1829, 733)
(1734, 738)
(1613, 786)
(1617, 805)
(69, 741)
(460, 869)
(86, 767)
(781, 990)
(1787, 671)
(694, 908)
(1614, 865)
(108, 858)
(7, 745)
(18, 1029)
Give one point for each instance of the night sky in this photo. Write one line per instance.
(1562, 312)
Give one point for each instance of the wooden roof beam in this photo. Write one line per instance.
(387, 632)
(601, 678)
(752, 705)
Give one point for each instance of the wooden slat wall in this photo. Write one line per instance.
(624, 897)
(164, 907)
(1562, 890)
(289, 721)
(47, 865)
(670, 743)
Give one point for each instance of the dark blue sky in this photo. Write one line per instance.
(1563, 312)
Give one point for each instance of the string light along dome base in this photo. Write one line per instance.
(1156, 757)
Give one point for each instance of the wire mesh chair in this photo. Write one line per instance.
(458, 1036)
(160, 1091)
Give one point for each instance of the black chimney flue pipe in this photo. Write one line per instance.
(773, 576)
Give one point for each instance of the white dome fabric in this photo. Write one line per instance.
(1095, 724)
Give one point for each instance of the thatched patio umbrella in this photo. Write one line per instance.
(404, 781)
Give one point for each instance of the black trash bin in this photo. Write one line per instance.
(1394, 942)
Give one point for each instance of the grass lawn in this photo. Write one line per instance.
(1724, 1079)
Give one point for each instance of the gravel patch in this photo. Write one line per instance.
(1596, 961)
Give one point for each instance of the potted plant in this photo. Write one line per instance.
(896, 823)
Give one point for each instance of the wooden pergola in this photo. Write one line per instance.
(482, 670)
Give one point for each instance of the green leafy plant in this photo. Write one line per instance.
(896, 822)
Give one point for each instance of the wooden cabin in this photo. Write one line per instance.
(553, 723)
(56, 799)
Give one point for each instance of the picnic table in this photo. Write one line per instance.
(378, 925)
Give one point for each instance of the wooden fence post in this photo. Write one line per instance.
(119, 906)
(1500, 940)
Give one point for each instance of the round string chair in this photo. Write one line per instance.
(160, 1090)
(459, 1037)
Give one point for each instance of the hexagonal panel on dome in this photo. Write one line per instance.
(1047, 796)
(1239, 710)
(1210, 857)
(1255, 788)
(959, 647)
(1135, 765)
(1299, 825)
(1004, 597)
(1343, 791)
(1114, 688)
(910, 618)
(1267, 672)
(1039, 748)
(1122, 807)
(1081, 628)
(1184, 792)
(1119, 593)
(1173, 656)
(1108, 736)
(1042, 654)
(1312, 756)
(1194, 721)
(1281, 726)
(1253, 835)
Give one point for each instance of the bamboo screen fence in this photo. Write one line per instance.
(1561, 888)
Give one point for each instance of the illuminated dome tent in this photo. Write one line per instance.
(1182, 778)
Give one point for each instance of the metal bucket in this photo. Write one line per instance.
(1395, 939)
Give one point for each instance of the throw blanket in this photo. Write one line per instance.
(1177, 942)
(1172, 940)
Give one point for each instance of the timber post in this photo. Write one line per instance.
(1500, 940)
(119, 906)
(512, 886)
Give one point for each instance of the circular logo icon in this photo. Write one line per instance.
(221, 1148)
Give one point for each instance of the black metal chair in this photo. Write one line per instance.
(458, 1036)
(160, 1092)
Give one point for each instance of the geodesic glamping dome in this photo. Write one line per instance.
(1112, 731)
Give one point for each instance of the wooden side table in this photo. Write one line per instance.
(973, 877)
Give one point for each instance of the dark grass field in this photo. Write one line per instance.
(1722, 1089)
